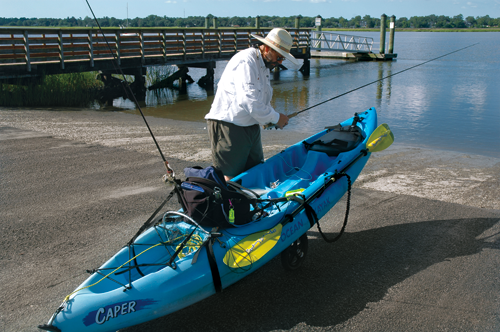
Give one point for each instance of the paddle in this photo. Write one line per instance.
(253, 247)
(381, 138)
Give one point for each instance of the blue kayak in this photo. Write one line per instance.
(174, 262)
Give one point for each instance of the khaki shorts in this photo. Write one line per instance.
(235, 149)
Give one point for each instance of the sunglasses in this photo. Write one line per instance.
(278, 56)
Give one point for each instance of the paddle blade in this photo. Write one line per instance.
(380, 139)
(252, 248)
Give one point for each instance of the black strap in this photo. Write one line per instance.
(48, 327)
(213, 266)
(136, 265)
(225, 191)
(238, 187)
(143, 227)
(337, 176)
(311, 215)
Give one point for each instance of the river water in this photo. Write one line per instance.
(452, 103)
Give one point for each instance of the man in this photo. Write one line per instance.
(243, 102)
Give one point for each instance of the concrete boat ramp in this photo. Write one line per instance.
(421, 250)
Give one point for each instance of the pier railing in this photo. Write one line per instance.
(29, 49)
(332, 41)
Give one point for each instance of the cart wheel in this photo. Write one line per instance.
(293, 256)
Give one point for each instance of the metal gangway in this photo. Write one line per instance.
(334, 42)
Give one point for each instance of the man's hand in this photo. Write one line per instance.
(283, 121)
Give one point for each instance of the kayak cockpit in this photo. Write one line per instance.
(302, 164)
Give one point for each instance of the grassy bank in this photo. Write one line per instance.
(71, 90)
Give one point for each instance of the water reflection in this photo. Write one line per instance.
(161, 97)
(292, 92)
(449, 103)
(183, 108)
(470, 92)
(384, 82)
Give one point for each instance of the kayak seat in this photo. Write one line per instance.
(300, 177)
(336, 140)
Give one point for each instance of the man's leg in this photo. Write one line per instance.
(231, 145)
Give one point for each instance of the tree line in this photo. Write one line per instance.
(416, 22)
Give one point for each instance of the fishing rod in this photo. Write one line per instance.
(170, 172)
(269, 126)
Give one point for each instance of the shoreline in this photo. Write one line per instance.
(449, 176)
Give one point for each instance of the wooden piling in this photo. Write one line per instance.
(318, 27)
(392, 28)
(382, 33)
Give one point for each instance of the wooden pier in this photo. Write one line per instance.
(28, 53)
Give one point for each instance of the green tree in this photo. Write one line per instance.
(443, 22)
(355, 22)
(471, 21)
(484, 21)
(369, 22)
(458, 21)
(402, 22)
(343, 22)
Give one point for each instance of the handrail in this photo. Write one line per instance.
(331, 41)
(36, 46)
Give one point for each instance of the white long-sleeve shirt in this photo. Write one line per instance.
(244, 92)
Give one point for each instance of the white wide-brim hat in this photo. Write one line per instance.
(279, 40)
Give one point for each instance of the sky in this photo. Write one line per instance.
(244, 8)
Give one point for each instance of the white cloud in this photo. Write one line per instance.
(169, 1)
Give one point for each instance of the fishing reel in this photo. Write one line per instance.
(270, 126)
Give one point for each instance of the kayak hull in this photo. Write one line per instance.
(137, 284)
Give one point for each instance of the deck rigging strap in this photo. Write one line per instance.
(311, 214)
(213, 265)
(130, 243)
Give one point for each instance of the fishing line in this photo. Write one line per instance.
(294, 168)
(383, 78)
(118, 68)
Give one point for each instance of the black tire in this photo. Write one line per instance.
(293, 256)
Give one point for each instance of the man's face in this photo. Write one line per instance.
(273, 58)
